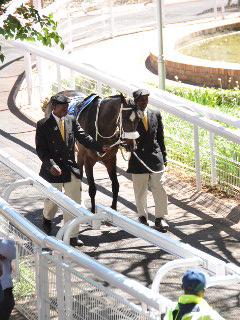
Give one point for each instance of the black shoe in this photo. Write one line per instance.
(75, 242)
(161, 225)
(47, 225)
(143, 220)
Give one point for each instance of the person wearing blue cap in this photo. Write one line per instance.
(55, 146)
(191, 305)
(7, 254)
(147, 163)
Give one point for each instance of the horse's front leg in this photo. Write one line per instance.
(80, 161)
(91, 184)
(112, 172)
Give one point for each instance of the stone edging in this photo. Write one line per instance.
(194, 70)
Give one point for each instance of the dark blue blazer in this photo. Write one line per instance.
(51, 148)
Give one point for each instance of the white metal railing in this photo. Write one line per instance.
(41, 243)
(223, 273)
(209, 164)
(176, 248)
(198, 119)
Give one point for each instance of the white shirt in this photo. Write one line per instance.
(57, 118)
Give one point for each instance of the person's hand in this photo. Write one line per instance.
(105, 149)
(55, 171)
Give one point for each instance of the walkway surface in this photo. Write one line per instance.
(200, 219)
(195, 218)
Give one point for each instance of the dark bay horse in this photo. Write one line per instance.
(110, 121)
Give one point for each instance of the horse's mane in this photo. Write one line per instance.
(117, 96)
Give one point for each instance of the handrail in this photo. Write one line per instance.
(46, 188)
(203, 111)
(179, 101)
(172, 246)
(78, 211)
(163, 241)
(154, 99)
(26, 227)
(171, 265)
(130, 286)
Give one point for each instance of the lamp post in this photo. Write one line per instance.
(160, 59)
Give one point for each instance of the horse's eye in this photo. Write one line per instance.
(132, 116)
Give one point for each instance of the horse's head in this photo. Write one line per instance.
(131, 116)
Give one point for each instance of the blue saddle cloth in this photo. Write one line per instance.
(80, 103)
(74, 105)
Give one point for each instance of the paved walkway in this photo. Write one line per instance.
(195, 218)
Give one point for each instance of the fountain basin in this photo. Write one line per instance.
(195, 70)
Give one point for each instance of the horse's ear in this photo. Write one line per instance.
(123, 99)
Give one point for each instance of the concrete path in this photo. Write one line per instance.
(200, 219)
(206, 222)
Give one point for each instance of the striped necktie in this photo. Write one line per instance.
(145, 121)
(61, 128)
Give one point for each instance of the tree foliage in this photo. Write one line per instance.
(27, 24)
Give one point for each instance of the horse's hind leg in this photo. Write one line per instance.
(91, 184)
(112, 172)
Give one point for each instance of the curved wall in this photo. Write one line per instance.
(198, 71)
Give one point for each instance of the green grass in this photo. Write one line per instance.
(227, 101)
(25, 287)
(180, 136)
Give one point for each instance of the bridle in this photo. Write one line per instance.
(119, 127)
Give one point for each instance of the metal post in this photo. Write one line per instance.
(161, 63)
(40, 77)
(99, 88)
(213, 160)
(222, 8)
(68, 292)
(28, 73)
(215, 8)
(72, 79)
(197, 158)
(37, 4)
(60, 289)
(59, 79)
(111, 18)
(69, 27)
(163, 13)
(42, 287)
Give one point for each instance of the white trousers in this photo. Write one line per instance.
(73, 190)
(141, 182)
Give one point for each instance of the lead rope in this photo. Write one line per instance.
(141, 161)
(144, 164)
(123, 155)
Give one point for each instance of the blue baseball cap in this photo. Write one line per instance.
(193, 281)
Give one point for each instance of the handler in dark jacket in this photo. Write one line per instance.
(151, 151)
(55, 143)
